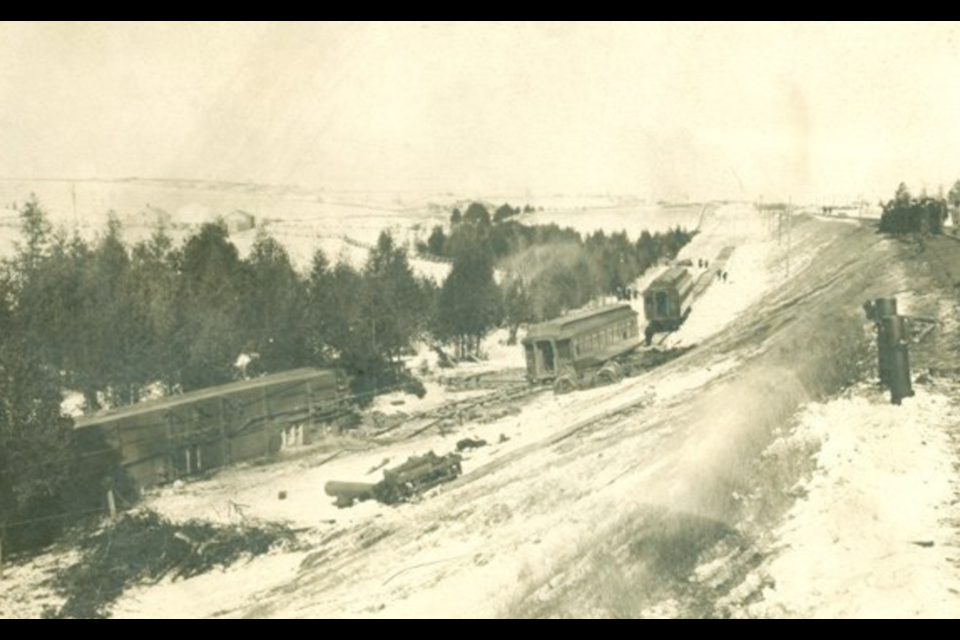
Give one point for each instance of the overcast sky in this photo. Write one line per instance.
(802, 110)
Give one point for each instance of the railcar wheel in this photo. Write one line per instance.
(564, 386)
(609, 375)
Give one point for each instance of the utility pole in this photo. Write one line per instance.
(789, 231)
(760, 207)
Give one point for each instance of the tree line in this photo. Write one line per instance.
(544, 270)
(116, 322)
(113, 321)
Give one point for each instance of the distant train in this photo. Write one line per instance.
(667, 302)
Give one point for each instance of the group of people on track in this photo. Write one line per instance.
(721, 274)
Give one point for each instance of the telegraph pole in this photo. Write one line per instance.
(789, 231)
(779, 227)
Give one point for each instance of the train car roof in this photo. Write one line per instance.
(568, 325)
(669, 278)
(295, 376)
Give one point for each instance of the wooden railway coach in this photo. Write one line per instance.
(571, 347)
(180, 436)
(668, 301)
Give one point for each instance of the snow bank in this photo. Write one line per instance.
(870, 539)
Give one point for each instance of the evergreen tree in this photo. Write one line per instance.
(469, 303)
(210, 335)
(477, 214)
(902, 196)
(349, 331)
(436, 244)
(109, 327)
(37, 455)
(275, 307)
(320, 310)
(154, 294)
(504, 212)
(953, 197)
(36, 230)
(393, 301)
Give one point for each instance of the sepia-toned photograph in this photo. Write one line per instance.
(479, 320)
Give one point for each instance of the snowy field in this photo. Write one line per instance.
(874, 536)
(344, 225)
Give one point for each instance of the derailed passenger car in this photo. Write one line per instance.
(574, 350)
(667, 302)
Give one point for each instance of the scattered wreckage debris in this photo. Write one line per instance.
(400, 484)
(484, 409)
(469, 443)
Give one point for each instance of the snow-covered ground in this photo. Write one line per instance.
(613, 218)
(875, 535)
(871, 532)
(752, 270)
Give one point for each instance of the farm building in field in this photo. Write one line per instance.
(239, 221)
(162, 440)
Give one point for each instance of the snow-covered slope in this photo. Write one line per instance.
(759, 475)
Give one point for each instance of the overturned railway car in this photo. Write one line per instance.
(571, 350)
(181, 436)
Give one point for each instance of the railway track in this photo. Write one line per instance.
(508, 393)
(701, 286)
(709, 276)
(486, 408)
